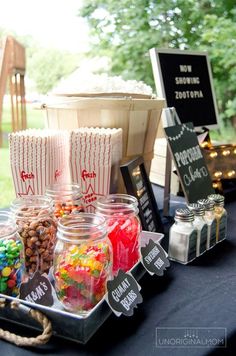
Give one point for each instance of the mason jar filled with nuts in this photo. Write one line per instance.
(37, 228)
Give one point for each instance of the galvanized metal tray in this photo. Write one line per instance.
(65, 325)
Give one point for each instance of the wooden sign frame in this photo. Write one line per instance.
(135, 167)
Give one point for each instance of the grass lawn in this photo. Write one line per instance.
(35, 119)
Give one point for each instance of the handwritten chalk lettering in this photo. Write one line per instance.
(185, 68)
(139, 185)
(187, 80)
(152, 255)
(159, 263)
(143, 199)
(188, 94)
(188, 156)
(39, 292)
(129, 299)
(120, 290)
(151, 226)
(194, 175)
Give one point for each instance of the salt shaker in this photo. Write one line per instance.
(201, 226)
(220, 215)
(183, 237)
(210, 220)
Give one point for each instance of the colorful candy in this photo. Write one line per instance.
(81, 273)
(11, 266)
(64, 209)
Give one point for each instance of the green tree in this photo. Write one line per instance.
(125, 30)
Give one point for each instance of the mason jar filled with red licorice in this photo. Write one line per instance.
(82, 261)
(124, 228)
(67, 199)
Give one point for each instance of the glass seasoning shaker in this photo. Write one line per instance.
(124, 228)
(201, 226)
(82, 261)
(67, 199)
(183, 237)
(37, 228)
(220, 215)
(210, 220)
(11, 256)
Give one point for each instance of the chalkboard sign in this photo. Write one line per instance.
(37, 290)
(184, 79)
(154, 258)
(137, 184)
(123, 294)
(189, 162)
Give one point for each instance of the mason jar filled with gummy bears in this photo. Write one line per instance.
(11, 256)
(124, 228)
(82, 261)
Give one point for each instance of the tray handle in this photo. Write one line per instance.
(27, 341)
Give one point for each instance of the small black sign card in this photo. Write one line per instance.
(184, 78)
(37, 290)
(189, 162)
(154, 258)
(137, 184)
(123, 294)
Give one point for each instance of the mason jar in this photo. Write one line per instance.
(183, 237)
(67, 199)
(220, 215)
(124, 228)
(82, 261)
(210, 219)
(11, 256)
(37, 228)
(200, 224)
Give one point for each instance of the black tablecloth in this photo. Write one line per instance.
(201, 296)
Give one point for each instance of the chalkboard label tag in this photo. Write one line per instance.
(154, 258)
(37, 290)
(123, 294)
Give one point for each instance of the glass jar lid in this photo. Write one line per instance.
(207, 204)
(184, 215)
(64, 191)
(116, 204)
(218, 199)
(197, 209)
(32, 206)
(8, 225)
(81, 227)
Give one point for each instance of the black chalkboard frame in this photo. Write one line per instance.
(163, 76)
(126, 170)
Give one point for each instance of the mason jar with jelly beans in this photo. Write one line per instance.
(124, 228)
(37, 228)
(82, 261)
(67, 199)
(11, 256)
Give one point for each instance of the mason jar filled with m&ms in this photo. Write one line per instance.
(124, 228)
(82, 261)
(37, 228)
(220, 215)
(11, 256)
(67, 199)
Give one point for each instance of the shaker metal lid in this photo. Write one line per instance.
(207, 204)
(197, 209)
(184, 215)
(217, 198)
